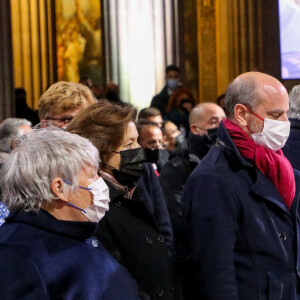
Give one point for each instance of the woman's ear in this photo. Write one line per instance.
(240, 114)
(57, 189)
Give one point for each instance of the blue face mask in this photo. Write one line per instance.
(173, 84)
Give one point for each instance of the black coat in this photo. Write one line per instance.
(244, 240)
(132, 236)
(161, 100)
(292, 147)
(173, 178)
(153, 197)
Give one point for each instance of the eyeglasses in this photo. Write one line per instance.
(64, 120)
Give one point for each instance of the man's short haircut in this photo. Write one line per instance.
(141, 125)
(294, 97)
(10, 130)
(241, 91)
(63, 96)
(146, 113)
(172, 68)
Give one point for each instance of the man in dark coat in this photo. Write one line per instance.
(161, 100)
(292, 146)
(241, 202)
(204, 120)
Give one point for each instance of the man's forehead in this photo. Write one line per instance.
(151, 131)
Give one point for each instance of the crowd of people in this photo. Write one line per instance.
(179, 201)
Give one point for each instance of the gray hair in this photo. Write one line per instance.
(41, 156)
(241, 91)
(9, 131)
(294, 96)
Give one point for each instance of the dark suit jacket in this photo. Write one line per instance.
(244, 241)
(44, 258)
(161, 100)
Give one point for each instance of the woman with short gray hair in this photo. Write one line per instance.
(55, 197)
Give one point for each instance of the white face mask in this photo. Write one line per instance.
(100, 191)
(274, 135)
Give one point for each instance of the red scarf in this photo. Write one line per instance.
(272, 164)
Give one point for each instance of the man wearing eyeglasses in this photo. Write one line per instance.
(62, 102)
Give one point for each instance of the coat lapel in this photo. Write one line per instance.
(268, 192)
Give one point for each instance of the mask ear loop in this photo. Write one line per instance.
(254, 113)
(255, 116)
(77, 207)
(70, 204)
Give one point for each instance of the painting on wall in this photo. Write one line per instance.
(78, 40)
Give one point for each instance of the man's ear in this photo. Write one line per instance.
(240, 114)
(194, 129)
(57, 189)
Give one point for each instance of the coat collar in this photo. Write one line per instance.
(44, 220)
(295, 123)
(262, 186)
(225, 140)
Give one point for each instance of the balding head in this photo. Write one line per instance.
(205, 116)
(254, 96)
(250, 89)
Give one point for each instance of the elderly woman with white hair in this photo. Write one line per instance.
(55, 197)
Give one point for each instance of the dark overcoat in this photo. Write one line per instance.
(292, 147)
(44, 258)
(244, 241)
(161, 100)
(131, 233)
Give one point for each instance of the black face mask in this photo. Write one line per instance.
(199, 144)
(131, 166)
(212, 133)
(152, 155)
(187, 100)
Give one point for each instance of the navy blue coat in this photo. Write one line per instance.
(292, 147)
(242, 237)
(44, 258)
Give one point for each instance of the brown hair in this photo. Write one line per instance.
(63, 96)
(145, 113)
(104, 124)
(173, 102)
